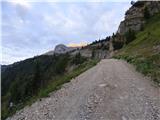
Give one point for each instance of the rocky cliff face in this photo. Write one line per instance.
(99, 50)
(134, 17)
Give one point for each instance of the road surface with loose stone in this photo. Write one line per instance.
(112, 90)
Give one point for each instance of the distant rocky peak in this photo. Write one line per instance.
(61, 49)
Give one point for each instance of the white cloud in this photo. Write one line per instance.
(65, 24)
(106, 25)
(83, 43)
(23, 3)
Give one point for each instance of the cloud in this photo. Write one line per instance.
(77, 44)
(32, 28)
(105, 23)
(23, 3)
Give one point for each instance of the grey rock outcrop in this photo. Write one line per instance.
(134, 17)
(99, 50)
(61, 49)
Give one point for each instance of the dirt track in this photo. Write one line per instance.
(112, 90)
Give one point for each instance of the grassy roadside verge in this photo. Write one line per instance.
(54, 85)
(144, 65)
(144, 51)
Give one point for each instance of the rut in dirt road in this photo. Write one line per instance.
(112, 90)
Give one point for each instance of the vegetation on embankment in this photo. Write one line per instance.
(60, 80)
(34, 78)
(144, 50)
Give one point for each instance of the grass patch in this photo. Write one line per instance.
(144, 65)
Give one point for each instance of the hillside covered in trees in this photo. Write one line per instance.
(29, 79)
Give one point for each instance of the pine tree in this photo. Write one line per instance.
(130, 36)
(93, 54)
(36, 79)
(146, 13)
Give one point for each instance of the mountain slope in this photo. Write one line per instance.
(144, 51)
(25, 81)
(112, 90)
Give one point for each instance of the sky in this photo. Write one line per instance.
(31, 28)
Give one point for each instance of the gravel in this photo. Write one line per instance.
(112, 90)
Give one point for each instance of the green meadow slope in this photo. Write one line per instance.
(144, 51)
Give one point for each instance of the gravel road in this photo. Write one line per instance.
(112, 90)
